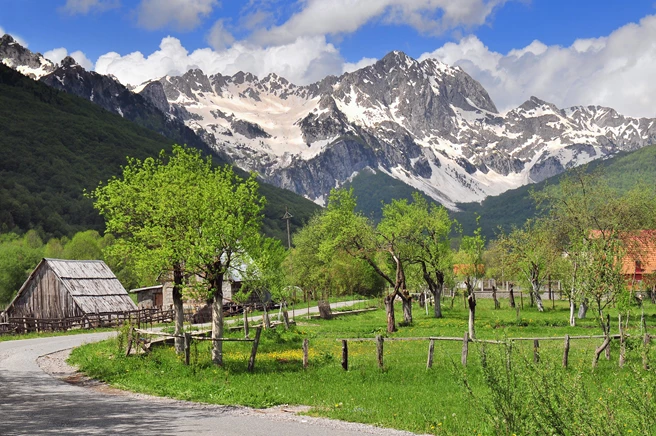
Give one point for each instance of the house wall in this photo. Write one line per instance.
(145, 299)
(167, 295)
(44, 297)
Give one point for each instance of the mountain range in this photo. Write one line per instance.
(55, 145)
(424, 123)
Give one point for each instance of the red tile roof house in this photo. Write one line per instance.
(639, 264)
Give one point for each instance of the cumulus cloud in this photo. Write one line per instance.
(83, 7)
(219, 37)
(616, 71)
(303, 61)
(182, 15)
(58, 54)
(321, 17)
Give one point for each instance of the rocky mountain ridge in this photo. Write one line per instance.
(425, 123)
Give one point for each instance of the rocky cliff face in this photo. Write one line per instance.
(425, 123)
(16, 56)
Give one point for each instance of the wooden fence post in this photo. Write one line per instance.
(245, 323)
(645, 355)
(256, 342)
(536, 351)
(129, 344)
(306, 351)
(379, 350)
(431, 349)
(465, 349)
(345, 354)
(566, 351)
(187, 347)
(622, 343)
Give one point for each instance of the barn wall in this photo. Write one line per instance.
(44, 297)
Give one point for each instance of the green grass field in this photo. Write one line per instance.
(446, 399)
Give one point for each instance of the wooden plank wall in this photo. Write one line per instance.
(44, 297)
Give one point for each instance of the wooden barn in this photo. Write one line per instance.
(59, 289)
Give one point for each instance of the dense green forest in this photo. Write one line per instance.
(54, 146)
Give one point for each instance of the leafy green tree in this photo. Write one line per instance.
(533, 255)
(338, 274)
(18, 257)
(266, 276)
(54, 249)
(150, 210)
(425, 229)
(347, 230)
(84, 246)
(224, 230)
(469, 268)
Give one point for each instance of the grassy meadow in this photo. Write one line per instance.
(499, 392)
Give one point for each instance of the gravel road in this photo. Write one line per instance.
(60, 401)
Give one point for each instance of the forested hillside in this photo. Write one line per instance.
(55, 145)
(623, 172)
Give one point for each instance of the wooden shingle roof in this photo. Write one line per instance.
(93, 286)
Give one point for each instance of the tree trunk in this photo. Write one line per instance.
(437, 298)
(471, 300)
(265, 318)
(572, 311)
(511, 295)
(178, 308)
(538, 297)
(217, 323)
(407, 308)
(583, 308)
(285, 315)
(389, 308)
(494, 297)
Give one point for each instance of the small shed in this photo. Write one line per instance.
(59, 289)
(153, 297)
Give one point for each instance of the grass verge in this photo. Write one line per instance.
(446, 399)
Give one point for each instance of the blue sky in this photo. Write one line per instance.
(567, 52)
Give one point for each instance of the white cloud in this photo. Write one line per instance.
(82, 60)
(219, 37)
(349, 67)
(17, 38)
(58, 54)
(83, 7)
(616, 71)
(331, 17)
(304, 61)
(180, 14)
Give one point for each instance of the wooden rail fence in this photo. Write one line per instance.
(92, 320)
(135, 340)
(466, 340)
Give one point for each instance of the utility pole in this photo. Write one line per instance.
(287, 216)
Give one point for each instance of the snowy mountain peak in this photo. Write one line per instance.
(425, 123)
(16, 56)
